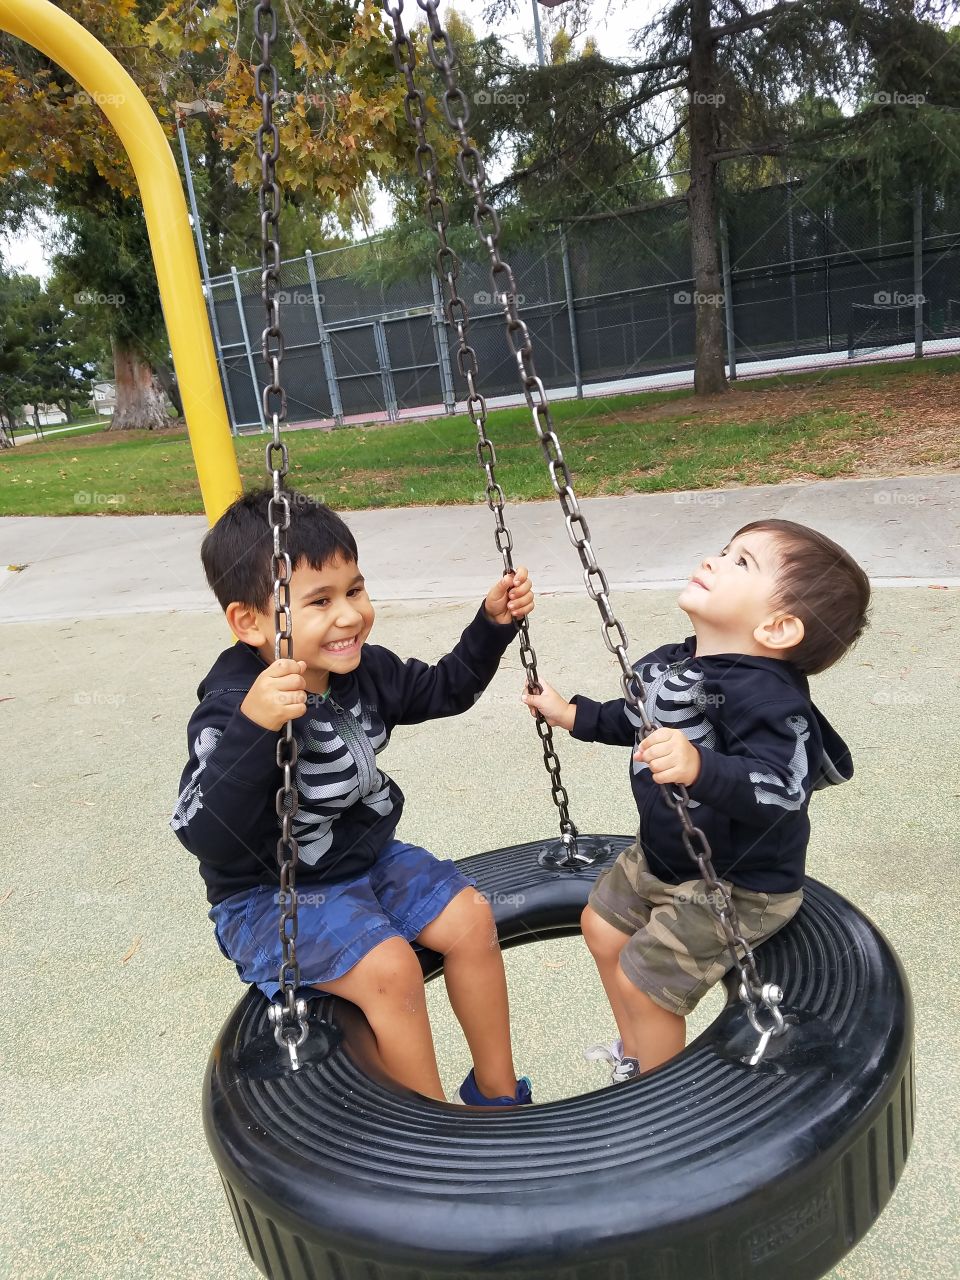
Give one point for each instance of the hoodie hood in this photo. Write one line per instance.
(836, 764)
(234, 671)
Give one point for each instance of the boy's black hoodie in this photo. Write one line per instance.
(764, 747)
(226, 813)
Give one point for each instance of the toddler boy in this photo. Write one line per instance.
(362, 895)
(781, 602)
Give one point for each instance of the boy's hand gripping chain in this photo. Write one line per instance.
(448, 269)
(755, 994)
(289, 1016)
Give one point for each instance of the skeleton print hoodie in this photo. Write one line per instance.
(764, 747)
(348, 809)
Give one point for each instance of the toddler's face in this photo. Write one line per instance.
(332, 617)
(732, 592)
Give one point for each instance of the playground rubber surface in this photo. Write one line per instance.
(116, 990)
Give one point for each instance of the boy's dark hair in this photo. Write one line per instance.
(237, 553)
(823, 586)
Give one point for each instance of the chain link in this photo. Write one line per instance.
(752, 990)
(289, 1019)
(448, 269)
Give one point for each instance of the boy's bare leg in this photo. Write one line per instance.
(466, 936)
(650, 1033)
(387, 984)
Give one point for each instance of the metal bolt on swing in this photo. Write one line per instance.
(753, 992)
(289, 1017)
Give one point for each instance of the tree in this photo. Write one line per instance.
(43, 358)
(338, 116)
(739, 64)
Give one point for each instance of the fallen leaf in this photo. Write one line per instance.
(5, 897)
(133, 949)
(936, 586)
(17, 568)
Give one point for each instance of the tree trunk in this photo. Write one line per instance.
(168, 380)
(6, 441)
(708, 371)
(140, 400)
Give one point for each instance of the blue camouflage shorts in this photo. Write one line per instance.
(337, 924)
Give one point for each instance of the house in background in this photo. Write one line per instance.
(104, 399)
(48, 415)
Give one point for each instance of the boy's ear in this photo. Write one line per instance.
(242, 621)
(784, 632)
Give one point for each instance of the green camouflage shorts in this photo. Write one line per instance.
(677, 950)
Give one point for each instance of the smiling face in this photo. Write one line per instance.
(332, 617)
(729, 599)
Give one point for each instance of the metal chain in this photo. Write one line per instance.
(289, 1017)
(448, 269)
(753, 992)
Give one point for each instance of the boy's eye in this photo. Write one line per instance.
(323, 600)
(742, 561)
(356, 591)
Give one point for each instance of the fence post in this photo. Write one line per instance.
(443, 348)
(386, 373)
(793, 271)
(568, 289)
(827, 250)
(257, 389)
(728, 298)
(918, 272)
(198, 235)
(329, 367)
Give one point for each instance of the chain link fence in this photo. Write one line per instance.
(604, 299)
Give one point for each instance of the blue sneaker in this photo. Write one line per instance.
(471, 1095)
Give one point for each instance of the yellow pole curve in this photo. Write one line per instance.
(49, 29)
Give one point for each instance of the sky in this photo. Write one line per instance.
(28, 253)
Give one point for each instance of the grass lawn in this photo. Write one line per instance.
(883, 419)
(64, 429)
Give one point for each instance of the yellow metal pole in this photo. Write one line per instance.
(50, 30)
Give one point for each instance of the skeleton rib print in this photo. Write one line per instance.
(336, 768)
(674, 701)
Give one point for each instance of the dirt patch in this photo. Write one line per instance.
(910, 426)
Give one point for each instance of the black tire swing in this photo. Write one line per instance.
(737, 1159)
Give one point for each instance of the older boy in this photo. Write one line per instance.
(739, 730)
(363, 896)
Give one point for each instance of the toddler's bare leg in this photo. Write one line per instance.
(465, 935)
(605, 943)
(654, 1034)
(650, 1034)
(387, 984)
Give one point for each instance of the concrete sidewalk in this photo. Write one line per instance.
(84, 566)
(118, 990)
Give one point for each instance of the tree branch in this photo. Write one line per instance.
(753, 20)
(621, 109)
(616, 213)
(840, 129)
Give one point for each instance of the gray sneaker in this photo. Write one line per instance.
(610, 1052)
(626, 1069)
